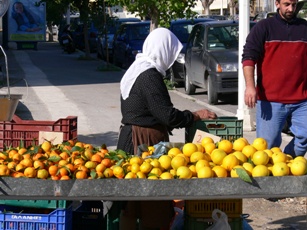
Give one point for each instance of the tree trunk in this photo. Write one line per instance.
(50, 32)
(206, 5)
(86, 44)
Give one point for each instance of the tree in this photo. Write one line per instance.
(160, 12)
(206, 5)
(55, 9)
(232, 7)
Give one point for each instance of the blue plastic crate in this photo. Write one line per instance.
(21, 218)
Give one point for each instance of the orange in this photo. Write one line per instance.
(11, 165)
(27, 162)
(260, 157)
(140, 175)
(65, 177)
(118, 172)
(135, 168)
(178, 161)
(205, 172)
(145, 167)
(193, 170)
(38, 164)
(90, 164)
(230, 161)
(249, 150)
(107, 162)
(206, 140)
(173, 151)
(248, 167)
(100, 168)
(225, 145)
(165, 162)
(81, 175)
(156, 171)
(219, 171)
(200, 164)
(280, 169)
(96, 158)
(279, 157)
(260, 143)
(298, 168)
(64, 155)
(136, 159)
(233, 172)
(196, 156)
(46, 146)
(30, 172)
(183, 172)
(166, 176)
(53, 170)
(108, 173)
(4, 170)
(239, 144)
(189, 148)
(260, 171)
(63, 171)
(240, 156)
(276, 149)
(209, 147)
(130, 175)
(20, 167)
(42, 174)
(217, 156)
(300, 158)
(200, 147)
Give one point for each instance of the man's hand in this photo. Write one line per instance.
(250, 97)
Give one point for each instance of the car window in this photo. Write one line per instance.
(223, 37)
(139, 32)
(182, 31)
(199, 37)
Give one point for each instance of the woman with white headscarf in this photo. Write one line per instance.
(148, 115)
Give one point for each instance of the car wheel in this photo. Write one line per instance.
(188, 86)
(212, 94)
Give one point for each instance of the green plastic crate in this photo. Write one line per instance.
(37, 203)
(191, 223)
(229, 128)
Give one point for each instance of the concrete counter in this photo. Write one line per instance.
(144, 189)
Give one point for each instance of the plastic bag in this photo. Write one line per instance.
(220, 221)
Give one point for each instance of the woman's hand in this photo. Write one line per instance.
(204, 114)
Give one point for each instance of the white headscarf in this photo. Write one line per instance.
(160, 50)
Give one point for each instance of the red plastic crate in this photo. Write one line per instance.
(17, 130)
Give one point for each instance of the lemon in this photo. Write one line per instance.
(189, 148)
(260, 157)
(205, 172)
(183, 172)
(217, 156)
(178, 161)
(260, 143)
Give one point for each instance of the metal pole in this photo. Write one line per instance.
(222, 9)
(243, 111)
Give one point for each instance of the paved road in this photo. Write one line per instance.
(56, 85)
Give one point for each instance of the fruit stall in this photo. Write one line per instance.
(36, 174)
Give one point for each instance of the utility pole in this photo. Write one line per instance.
(243, 111)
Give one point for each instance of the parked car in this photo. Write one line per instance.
(211, 59)
(215, 17)
(182, 29)
(78, 36)
(105, 41)
(128, 42)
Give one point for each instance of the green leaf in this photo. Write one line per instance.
(243, 175)
(54, 158)
(93, 174)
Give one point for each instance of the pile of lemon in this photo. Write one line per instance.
(221, 159)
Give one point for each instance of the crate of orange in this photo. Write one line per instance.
(228, 128)
(204, 208)
(12, 133)
(37, 203)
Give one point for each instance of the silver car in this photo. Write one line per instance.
(211, 59)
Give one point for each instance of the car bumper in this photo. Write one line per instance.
(225, 82)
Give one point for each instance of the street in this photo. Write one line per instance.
(55, 85)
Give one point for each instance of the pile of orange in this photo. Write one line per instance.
(78, 160)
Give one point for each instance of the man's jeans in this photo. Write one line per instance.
(271, 118)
